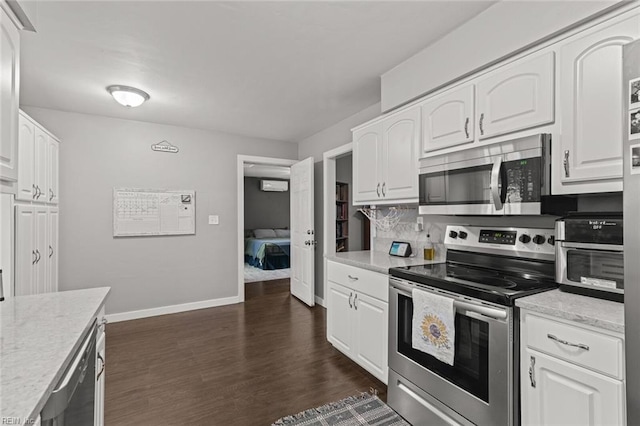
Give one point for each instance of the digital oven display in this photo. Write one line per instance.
(498, 237)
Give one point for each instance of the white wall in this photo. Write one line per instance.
(500, 31)
(265, 209)
(314, 146)
(99, 153)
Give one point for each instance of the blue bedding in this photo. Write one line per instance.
(254, 250)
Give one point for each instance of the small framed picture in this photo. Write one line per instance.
(635, 159)
(634, 93)
(634, 124)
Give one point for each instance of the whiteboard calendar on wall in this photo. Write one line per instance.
(144, 212)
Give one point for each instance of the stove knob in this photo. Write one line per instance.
(539, 239)
(524, 238)
(453, 234)
(552, 240)
(462, 235)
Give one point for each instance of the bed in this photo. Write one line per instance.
(267, 248)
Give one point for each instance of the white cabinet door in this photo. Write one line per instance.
(26, 154)
(516, 97)
(400, 139)
(367, 163)
(371, 334)
(25, 255)
(41, 277)
(100, 376)
(9, 88)
(448, 120)
(41, 165)
(591, 93)
(339, 318)
(565, 394)
(53, 170)
(52, 249)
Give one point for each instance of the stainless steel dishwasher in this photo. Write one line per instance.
(72, 402)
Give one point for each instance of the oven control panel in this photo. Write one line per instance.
(535, 243)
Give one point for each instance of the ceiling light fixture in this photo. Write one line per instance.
(128, 96)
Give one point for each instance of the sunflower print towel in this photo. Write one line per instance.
(433, 329)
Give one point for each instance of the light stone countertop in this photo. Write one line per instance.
(38, 337)
(377, 261)
(599, 313)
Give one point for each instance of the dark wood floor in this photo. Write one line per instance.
(244, 364)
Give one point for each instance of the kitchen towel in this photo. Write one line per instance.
(433, 329)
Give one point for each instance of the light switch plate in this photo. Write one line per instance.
(214, 219)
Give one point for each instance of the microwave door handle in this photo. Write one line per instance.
(495, 184)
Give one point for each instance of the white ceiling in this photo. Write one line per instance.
(266, 171)
(276, 70)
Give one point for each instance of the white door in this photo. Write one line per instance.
(25, 255)
(52, 249)
(41, 278)
(367, 163)
(41, 166)
(565, 394)
(400, 139)
(26, 155)
(339, 317)
(53, 162)
(517, 97)
(9, 88)
(371, 334)
(302, 232)
(591, 102)
(448, 120)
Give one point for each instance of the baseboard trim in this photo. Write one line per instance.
(171, 309)
(320, 301)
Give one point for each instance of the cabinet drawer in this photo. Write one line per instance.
(596, 351)
(362, 280)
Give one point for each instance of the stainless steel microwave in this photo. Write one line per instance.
(507, 178)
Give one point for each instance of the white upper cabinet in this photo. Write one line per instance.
(400, 138)
(9, 88)
(448, 120)
(40, 165)
(26, 149)
(367, 164)
(385, 159)
(516, 97)
(589, 158)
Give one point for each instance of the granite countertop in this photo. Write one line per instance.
(377, 261)
(38, 337)
(574, 307)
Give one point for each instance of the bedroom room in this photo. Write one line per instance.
(266, 223)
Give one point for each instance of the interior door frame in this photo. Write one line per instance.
(242, 159)
(329, 207)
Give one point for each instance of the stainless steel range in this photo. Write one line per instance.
(487, 268)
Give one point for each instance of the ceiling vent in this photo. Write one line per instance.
(274, 185)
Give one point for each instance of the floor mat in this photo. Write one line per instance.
(253, 274)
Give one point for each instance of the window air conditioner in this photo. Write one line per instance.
(274, 185)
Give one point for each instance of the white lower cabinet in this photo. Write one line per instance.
(570, 375)
(36, 240)
(100, 373)
(357, 321)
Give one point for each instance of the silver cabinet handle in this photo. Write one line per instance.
(564, 342)
(38, 192)
(384, 185)
(35, 257)
(38, 254)
(481, 123)
(354, 302)
(50, 251)
(565, 162)
(466, 127)
(35, 191)
(350, 296)
(102, 366)
(378, 189)
(532, 371)
(351, 277)
(51, 194)
(495, 186)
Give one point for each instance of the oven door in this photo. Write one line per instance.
(587, 265)
(480, 385)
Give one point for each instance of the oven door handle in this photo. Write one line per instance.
(487, 311)
(496, 194)
(591, 246)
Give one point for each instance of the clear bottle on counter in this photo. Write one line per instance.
(429, 249)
